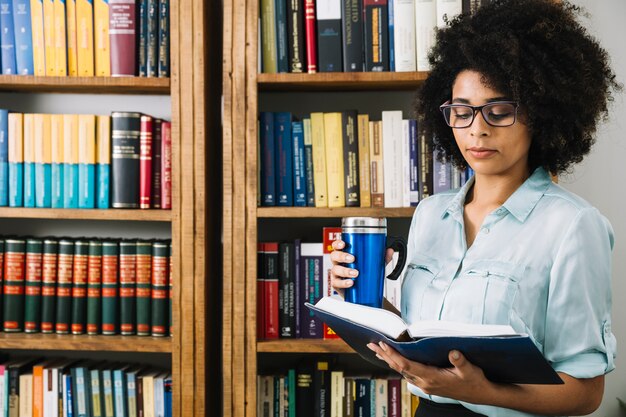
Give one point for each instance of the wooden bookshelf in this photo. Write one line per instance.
(39, 341)
(341, 81)
(87, 214)
(303, 346)
(85, 85)
(319, 212)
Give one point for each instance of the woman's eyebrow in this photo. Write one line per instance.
(461, 100)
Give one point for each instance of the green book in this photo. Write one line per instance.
(94, 287)
(79, 287)
(160, 285)
(144, 277)
(268, 36)
(14, 267)
(49, 284)
(32, 286)
(64, 286)
(128, 281)
(110, 282)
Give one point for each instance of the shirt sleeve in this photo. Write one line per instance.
(578, 339)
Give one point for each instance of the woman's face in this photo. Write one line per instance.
(489, 150)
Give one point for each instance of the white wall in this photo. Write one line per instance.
(600, 180)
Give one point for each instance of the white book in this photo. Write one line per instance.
(26, 395)
(404, 35)
(405, 399)
(3, 386)
(51, 392)
(337, 393)
(392, 157)
(159, 395)
(319, 159)
(425, 23)
(382, 401)
(448, 10)
(406, 163)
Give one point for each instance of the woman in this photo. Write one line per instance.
(515, 92)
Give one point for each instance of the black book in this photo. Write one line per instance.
(286, 290)
(295, 35)
(425, 164)
(304, 391)
(281, 36)
(351, 158)
(328, 14)
(376, 35)
(152, 39)
(125, 132)
(321, 389)
(352, 35)
(164, 38)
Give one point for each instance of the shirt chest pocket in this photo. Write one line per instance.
(420, 273)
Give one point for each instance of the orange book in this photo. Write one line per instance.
(49, 37)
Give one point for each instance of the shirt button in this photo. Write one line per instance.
(486, 230)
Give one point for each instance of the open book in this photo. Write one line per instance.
(502, 354)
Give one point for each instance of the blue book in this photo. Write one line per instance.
(96, 393)
(103, 160)
(299, 170)
(69, 398)
(56, 173)
(442, 175)
(86, 161)
(268, 163)
(284, 159)
(281, 36)
(23, 37)
(7, 38)
(4, 157)
(103, 182)
(43, 187)
(70, 186)
(86, 183)
(392, 55)
(167, 385)
(503, 355)
(80, 391)
(308, 164)
(131, 388)
(119, 392)
(414, 192)
(29, 184)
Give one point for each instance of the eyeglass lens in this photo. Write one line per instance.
(496, 114)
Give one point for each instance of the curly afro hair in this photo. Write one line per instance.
(536, 53)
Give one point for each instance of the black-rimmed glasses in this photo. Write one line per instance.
(497, 113)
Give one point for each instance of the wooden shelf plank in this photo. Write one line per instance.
(304, 212)
(303, 346)
(39, 341)
(87, 85)
(86, 214)
(343, 81)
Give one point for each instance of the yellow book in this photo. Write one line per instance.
(49, 37)
(70, 138)
(103, 139)
(87, 139)
(29, 138)
(43, 139)
(363, 122)
(101, 37)
(16, 141)
(70, 23)
(56, 138)
(377, 185)
(333, 141)
(84, 37)
(39, 52)
(319, 159)
(60, 53)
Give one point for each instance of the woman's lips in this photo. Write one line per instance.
(481, 153)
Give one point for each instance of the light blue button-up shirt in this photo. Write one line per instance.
(540, 263)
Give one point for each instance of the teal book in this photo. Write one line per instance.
(86, 161)
(4, 158)
(56, 135)
(70, 161)
(29, 160)
(43, 161)
(120, 396)
(103, 160)
(16, 160)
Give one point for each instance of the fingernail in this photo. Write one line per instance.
(455, 355)
(349, 282)
(349, 258)
(382, 346)
(341, 244)
(354, 272)
(379, 357)
(371, 346)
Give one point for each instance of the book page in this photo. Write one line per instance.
(428, 328)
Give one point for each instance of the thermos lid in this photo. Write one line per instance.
(373, 222)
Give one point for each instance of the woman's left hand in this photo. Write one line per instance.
(463, 381)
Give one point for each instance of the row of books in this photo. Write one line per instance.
(85, 161)
(363, 35)
(58, 387)
(317, 390)
(344, 159)
(78, 286)
(85, 38)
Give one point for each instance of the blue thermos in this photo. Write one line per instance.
(366, 240)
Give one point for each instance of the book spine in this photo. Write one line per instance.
(376, 35)
(103, 160)
(308, 163)
(94, 288)
(447, 10)
(426, 166)
(328, 14)
(166, 165)
(79, 286)
(7, 40)
(362, 402)
(102, 50)
(295, 31)
(392, 157)
(37, 393)
(157, 161)
(60, 44)
(167, 388)
(107, 392)
(282, 60)
(123, 37)
(70, 161)
(119, 393)
(48, 284)
(405, 156)
(414, 163)
(364, 160)
(87, 161)
(125, 137)
(16, 160)
(140, 407)
(29, 160)
(329, 235)
(143, 287)
(299, 170)
(441, 175)
(96, 393)
(286, 317)
(13, 303)
(23, 37)
(351, 158)
(1, 282)
(394, 397)
(164, 38)
(131, 389)
(352, 35)
(311, 265)
(284, 159)
(152, 38)
(128, 282)
(268, 36)
(39, 52)
(404, 35)
(142, 43)
(334, 159)
(110, 252)
(72, 46)
(310, 36)
(64, 286)
(4, 155)
(56, 169)
(48, 37)
(260, 288)
(158, 293)
(391, 34)
(425, 22)
(348, 399)
(321, 388)
(32, 286)
(268, 159)
(319, 159)
(170, 288)
(145, 162)
(271, 291)
(84, 38)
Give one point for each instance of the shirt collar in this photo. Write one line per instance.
(520, 204)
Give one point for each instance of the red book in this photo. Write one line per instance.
(122, 37)
(145, 162)
(157, 151)
(270, 262)
(310, 36)
(330, 234)
(166, 165)
(260, 295)
(394, 397)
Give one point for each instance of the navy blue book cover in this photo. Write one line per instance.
(284, 159)
(299, 168)
(281, 36)
(505, 359)
(268, 163)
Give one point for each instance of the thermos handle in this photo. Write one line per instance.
(398, 245)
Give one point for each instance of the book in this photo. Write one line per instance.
(87, 161)
(318, 147)
(268, 159)
(60, 47)
(328, 14)
(101, 38)
(295, 34)
(392, 158)
(70, 24)
(110, 282)
(352, 35)
(364, 160)
(166, 165)
(504, 355)
(64, 286)
(128, 282)
(308, 163)
(310, 36)
(351, 158)
(143, 268)
(94, 287)
(103, 160)
(164, 38)
(70, 161)
(152, 38)
(145, 162)
(56, 169)
(270, 290)
(311, 273)
(404, 35)
(79, 287)
(4, 156)
(157, 161)
(16, 160)
(286, 290)
(123, 22)
(448, 10)
(125, 140)
(334, 159)
(39, 52)
(48, 284)
(29, 160)
(84, 38)
(32, 286)
(158, 293)
(7, 38)
(425, 23)
(13, 302)
(376, 29)
(142, 41)
(268, 36)
(283, 159)
(48, 37)
(299, 169)
(282, 60)
(22, 26)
